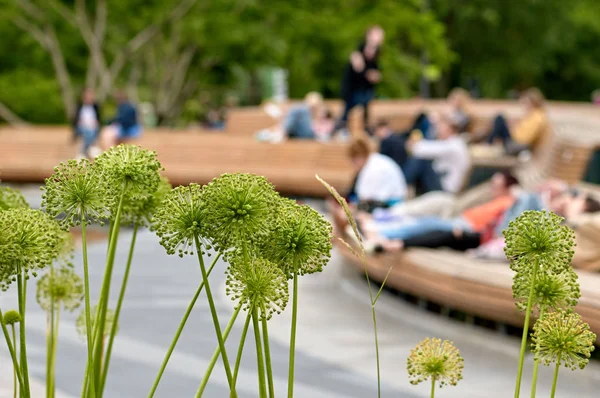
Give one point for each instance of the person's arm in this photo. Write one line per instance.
(528, 129)
(357, 61)
(98, 115)
(428, 149)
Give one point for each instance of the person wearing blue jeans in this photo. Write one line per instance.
(126, 120)
(86, 123)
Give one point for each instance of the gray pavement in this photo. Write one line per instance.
(335, 352)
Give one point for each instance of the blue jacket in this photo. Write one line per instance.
(126, 116)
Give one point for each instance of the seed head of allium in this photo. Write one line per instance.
(62, 283)
(437, 359)
(563, 336)
(551, 291)
(11, 317)
(539, 236)
(239, 210)
(258, 284)
(12, 199)
(141, 210)
(29, 242)
(300, 239)
(131, 168)
(178, 219)
(81, 327)
(78, 191)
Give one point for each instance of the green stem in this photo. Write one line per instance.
(215, 317)
(163, 366)
(536, 362)
(293, 336)
(268, 358)
(100, 320)
(50, 337)
(217, 353)
(432, 387)
(238, 359)
(12, 350)
(113, 331)
(555, 377)
(374, 316)
(22, 292)
(526, 329)
(89, 378)
(262, 384)
(54, 348)
(15, 364)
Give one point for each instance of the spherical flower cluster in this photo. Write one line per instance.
(238, 210)
(259, 284)
(29, 242)
(62, 284)
(437, 359)
(78, 191)
(11, 317)
(551, 291)
(178, 219)
(539, 237)
(82, 329)
(300, 239)
(132, 169)
(562, 337)
(140, 211)
(12, 199)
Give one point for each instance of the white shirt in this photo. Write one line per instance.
(380, 179)
(87, 118)
(451, 160)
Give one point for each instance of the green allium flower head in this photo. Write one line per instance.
(80, 322)
(178, 219)
(29, 242)
(563, 336)
(300, 239)
(11, 317)
(78, 191)
(539, 236)
(133, 168)
(238, 210)
(437, 359)
(12, 199)
(140, 211)
(551, 291)
(259, 284)
(66, 287)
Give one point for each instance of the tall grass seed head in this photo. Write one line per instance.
(563, 336)
(539, 236)
(62, 283)
(179, 218)
(300, 240)
(239, 210)
(139, 211)
(437, 359)
(29, 242)
(82, 329)
(551, 291)
(11, 317)
(77, 192)
(12, 199)
(258, 284)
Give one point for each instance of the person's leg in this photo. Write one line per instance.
(417, 227)
(500, 131)
(430, 204)
(365, 98)
(349, 103)
(89, 137)
(436, 239)
(430, 180)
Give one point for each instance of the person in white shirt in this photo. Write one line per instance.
(378, 178)
(448, 153)
(86, 123)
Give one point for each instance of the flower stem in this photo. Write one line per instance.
(12, 350)
(100, 320)
(238, 359)
(555, 379)
(293, 336)
(432, 387)
(262, 384)
(268, 358)
(526, 328)
(54, 348)
(215, 317)
(536, 363)
(113, 331)
(163, 366)
(50, 337)
(15, 364)
(86, 281)
(22, 292)
(216, 354)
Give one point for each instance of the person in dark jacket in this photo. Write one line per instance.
(362, 74)
(87, 121)
(125, 125)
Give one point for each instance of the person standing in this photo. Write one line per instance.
(362, 74)
(86, 123)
